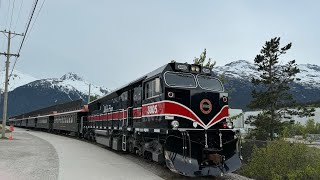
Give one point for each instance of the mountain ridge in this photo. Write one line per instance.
(309, 73)
(27, 93)
(68, 82)
(239, 73)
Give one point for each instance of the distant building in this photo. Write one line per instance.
(239, 122)
(244, 126)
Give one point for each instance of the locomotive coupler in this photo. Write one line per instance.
(211, 156)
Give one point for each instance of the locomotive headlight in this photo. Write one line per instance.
(175, 124)
(195, 68)
(230, 125)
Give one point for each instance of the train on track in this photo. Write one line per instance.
(176, 115)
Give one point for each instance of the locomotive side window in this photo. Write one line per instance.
(157, 86)
(137, 96)
(147, 90)
(180, 80)
(152, 88)
(124, 99)
(124, 96)
(209, 83)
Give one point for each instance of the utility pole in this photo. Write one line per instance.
(89, 93)
(5, 99)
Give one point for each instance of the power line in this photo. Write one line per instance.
(35, 19)
(0, 8)
(34, 2)
(8, 54)
(18, 14)
(7, 16)
(25, 34)
(12, 13)
(26, 31)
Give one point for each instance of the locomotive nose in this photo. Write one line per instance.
(207, 105)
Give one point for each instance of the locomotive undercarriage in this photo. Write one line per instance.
(202, 153)
(147, 145)
(190, 153)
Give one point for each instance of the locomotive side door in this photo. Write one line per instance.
(129, 117)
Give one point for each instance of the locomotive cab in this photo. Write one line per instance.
(202, 95)
(192, 92)
(201, 139)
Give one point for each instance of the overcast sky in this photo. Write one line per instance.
(113, 42)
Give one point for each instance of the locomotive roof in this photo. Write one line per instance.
(118, 91)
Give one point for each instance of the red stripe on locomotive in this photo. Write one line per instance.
(224, 112)
(136, 113)
(176, 109)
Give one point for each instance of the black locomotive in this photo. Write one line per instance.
(176, 114)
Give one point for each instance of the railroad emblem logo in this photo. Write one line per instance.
(205, 106)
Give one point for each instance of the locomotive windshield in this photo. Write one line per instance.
(210, 83)
(180, 80)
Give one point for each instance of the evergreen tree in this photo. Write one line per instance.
(201, 60)
(271, 93)
(210, 64)
(92, 98)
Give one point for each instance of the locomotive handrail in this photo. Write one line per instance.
(131, 107)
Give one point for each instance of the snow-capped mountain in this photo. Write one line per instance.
(68, 82)
(17, 79)
(71, 82)
(309, 75)
(243, 70)
(29, 93)
(240, 69)
(239, 86)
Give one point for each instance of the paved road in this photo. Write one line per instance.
(58, 157)
(28, 157)
(81, 160)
